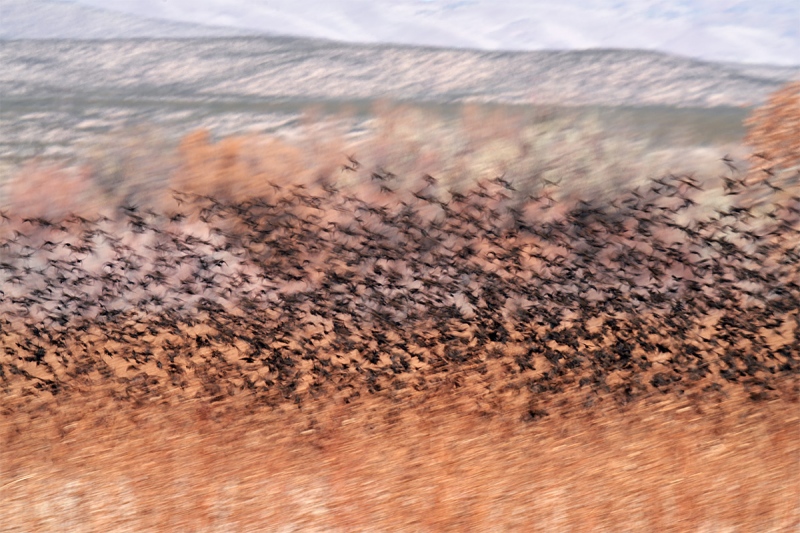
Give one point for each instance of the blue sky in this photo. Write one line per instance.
(767, 31)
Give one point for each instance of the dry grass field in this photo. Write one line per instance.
(427, 464)
(263, 336)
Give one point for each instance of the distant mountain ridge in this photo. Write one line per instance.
(256, 69)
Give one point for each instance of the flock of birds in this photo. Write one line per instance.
(312, 291)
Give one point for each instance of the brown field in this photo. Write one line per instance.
(431, 463)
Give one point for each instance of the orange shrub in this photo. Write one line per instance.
(774, 130)
(236, 167)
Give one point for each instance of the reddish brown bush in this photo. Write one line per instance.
(51, 190)
(774, 131)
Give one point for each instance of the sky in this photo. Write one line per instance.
(764, 31)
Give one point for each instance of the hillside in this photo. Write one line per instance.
(202, 70)
(60, 94)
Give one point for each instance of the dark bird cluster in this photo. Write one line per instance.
(311, 291)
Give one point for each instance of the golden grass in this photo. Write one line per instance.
(664, 464)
